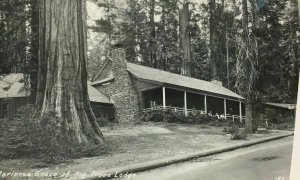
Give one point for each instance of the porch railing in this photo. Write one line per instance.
(183, 111)
(174, 109)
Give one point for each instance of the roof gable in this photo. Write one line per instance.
(105, 72)
(97, 96)
(165, 77)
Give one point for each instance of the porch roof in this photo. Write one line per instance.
(165, 77)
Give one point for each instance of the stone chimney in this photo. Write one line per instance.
(217, 82)
(118, 57)
(121, 91)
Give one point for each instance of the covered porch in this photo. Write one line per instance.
(188, 101)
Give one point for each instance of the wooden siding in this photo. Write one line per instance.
(103, 111)
(14, 104)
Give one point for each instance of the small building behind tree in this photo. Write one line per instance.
(14, 94)
(278, 110)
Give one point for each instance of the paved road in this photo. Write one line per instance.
(267, 161)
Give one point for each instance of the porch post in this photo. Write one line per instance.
(205, 104)
(164, 96)
(225, 108)
(240, 105)
(185, 103)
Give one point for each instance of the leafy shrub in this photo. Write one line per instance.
(155, 115)
(234, 131)
(41, 137)
(282, 126)
(197, 118)
(16, 134)
(54, 145)
(240, 134)
(161, 115)
(174, 117)
(280, 123)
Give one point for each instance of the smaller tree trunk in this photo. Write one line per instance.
(245, 17)
(152, 37)
(250, 122)
(163, 53)
(299, 10)
(185, 39)
(34, 49)
(213, 40)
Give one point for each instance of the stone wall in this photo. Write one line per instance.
(121, 91)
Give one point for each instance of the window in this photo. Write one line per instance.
(3, 110)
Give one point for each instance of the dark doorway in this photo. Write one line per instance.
(195, 101)
(215, 105)
(153, 98)
(174, 98)
(232, 107)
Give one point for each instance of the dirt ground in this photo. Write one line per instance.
(139, 143)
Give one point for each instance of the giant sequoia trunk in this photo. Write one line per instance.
(62, 76)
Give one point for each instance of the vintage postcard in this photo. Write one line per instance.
(149, 89)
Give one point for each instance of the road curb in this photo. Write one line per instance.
(127, 171)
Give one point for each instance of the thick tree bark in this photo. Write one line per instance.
(62, 76)
(213, 40)
(185, 39)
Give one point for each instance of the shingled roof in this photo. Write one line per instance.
(156, 75)
(12, 85)
(97, 96)
(282, 105)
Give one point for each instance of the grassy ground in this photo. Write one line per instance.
(139, 143)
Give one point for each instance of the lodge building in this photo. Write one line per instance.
(14, 95)
(135, 88)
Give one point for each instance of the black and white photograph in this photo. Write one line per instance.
(149, 89)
